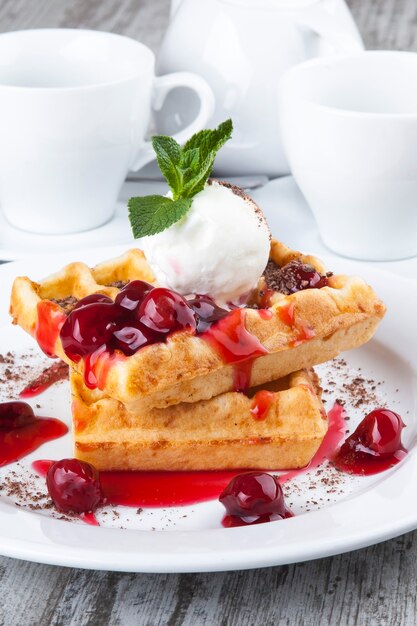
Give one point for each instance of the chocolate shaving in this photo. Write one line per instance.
(67, 304)
(285, 279)
(24, 492)
(7, 358)
(119, 284)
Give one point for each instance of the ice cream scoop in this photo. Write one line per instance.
(220, 247)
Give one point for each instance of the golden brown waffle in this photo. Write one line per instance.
(305, 328)
(215, 434)
(74, 281)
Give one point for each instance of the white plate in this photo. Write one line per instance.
(362, 512)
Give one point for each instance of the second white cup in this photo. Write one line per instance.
(349, 128)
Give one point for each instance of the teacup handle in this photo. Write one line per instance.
(335, 27)
(162, 86)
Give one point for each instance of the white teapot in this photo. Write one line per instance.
(242, 48)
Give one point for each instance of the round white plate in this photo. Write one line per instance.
(357, 512)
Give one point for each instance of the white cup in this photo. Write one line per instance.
(349, 128)
(74, 109)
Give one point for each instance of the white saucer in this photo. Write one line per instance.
(16, 244)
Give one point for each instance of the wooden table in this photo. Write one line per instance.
(375, 586)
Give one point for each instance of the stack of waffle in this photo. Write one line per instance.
(173, 405)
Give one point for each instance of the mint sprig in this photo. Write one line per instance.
(152, 214)
(186, 170)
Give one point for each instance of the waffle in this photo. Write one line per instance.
(220, 433)
(305, 328)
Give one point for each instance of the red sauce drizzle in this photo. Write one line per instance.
(90, 519)
(242, 376)
(335, 433)
(51, 375)
(265, 314)
(365, 465)
(41, 467)
(49, 323)
(235, 344)
(261, 404)
(286, 313)
(156, 489)
(25, 435)
(302, 330)
(232, 341)
(97, 366)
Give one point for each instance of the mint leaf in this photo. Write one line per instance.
(168, 155)
(153, 214)
(205, 144)
(210, 140)
(186, 170)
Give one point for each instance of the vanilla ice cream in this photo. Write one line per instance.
(220, 247)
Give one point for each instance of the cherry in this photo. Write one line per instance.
(15, 415)
(379, 434)
(89, 327)
(206, 310)
(304, 276)
(74, 486)
(129, 339)
(165, 311)
(254, 495)
(132, 294)
(374, 446)
(93, 298)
